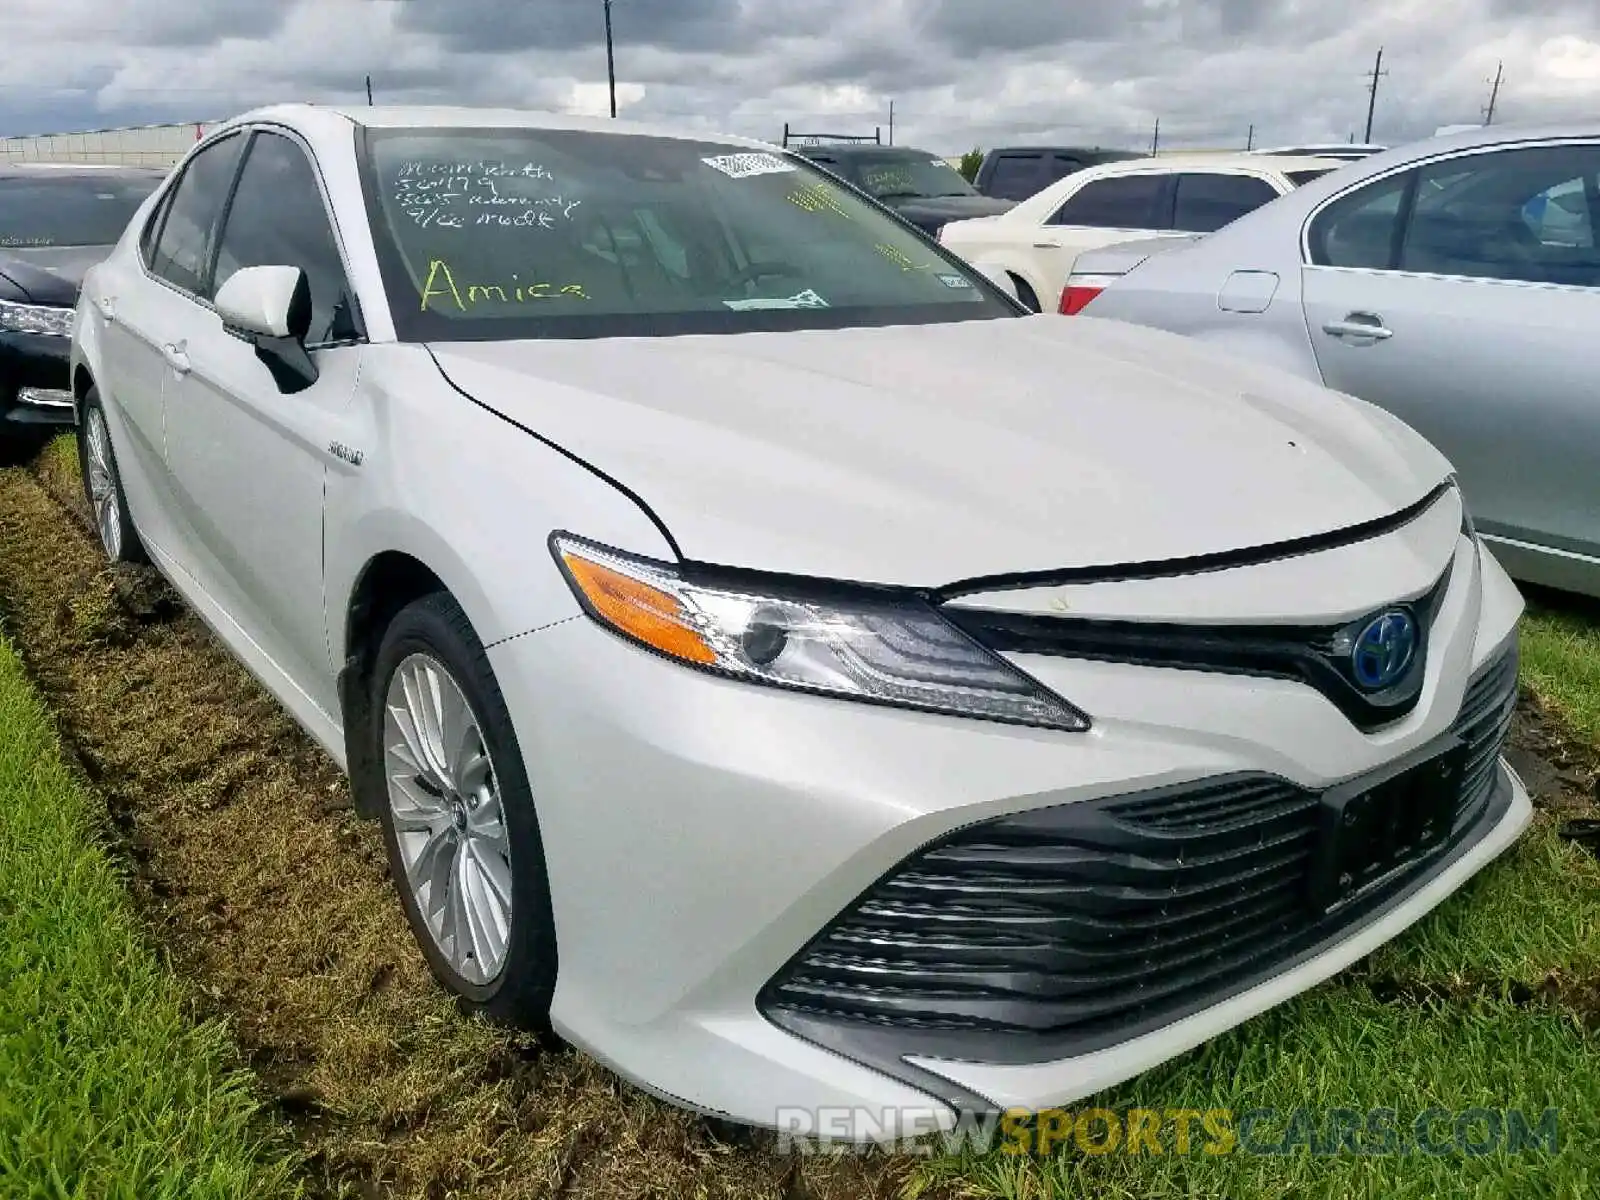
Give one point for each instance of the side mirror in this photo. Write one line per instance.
(271, 307)
(998, 276)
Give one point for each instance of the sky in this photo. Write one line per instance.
(959, 73)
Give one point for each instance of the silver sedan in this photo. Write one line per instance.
(1455, 282)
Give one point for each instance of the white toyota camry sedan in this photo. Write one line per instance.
(780, 664)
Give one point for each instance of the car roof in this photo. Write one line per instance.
(1066, 150)
(1240, 161)
(848, 148)
(1322, 147)
(1481, 137)
(321, 119)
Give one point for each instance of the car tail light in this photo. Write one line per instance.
(1080, 290)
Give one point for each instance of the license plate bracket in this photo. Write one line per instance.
(1370, 830)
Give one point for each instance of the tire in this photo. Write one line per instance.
(1025, 294)
(102, 485)
(440, 827)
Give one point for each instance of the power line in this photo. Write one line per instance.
(611, 61)
(1372, 94)
(1494, 93)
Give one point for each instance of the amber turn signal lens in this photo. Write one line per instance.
(639, 610)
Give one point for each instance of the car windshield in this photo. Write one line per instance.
(897, 176)
(1301, 178)
(506, 234)
(76, 209)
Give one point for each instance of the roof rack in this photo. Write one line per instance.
(816, 139)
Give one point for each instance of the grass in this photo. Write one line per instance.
(1342, 1047)
(1561, 661)
(1491, 1001)
(108, 1089)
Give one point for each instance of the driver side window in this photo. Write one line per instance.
(278, 218)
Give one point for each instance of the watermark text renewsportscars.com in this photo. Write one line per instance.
(1471, 1132)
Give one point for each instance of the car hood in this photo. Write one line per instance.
(50, 274)
(922, 455)
(924, 209)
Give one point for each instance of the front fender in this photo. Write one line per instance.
(472, 498)
(87, 331)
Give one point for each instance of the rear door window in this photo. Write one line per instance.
(1521, 214)
(1120, 202)
(1208, 200)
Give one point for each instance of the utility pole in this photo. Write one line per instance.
(1494, 93)
(1372, 93)
(891, 122)
(1250, 139)
(1155, 138)
(611, 61)
(369, 91)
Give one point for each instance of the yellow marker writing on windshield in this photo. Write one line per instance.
(442, 284)
(817, 198)
(900, 259)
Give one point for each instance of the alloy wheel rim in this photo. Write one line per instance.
(102, 486)
(448, 819)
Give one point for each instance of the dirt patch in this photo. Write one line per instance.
(267, 892)
(1573, 994)
(1562, 771)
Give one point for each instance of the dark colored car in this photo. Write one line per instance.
(56, 221)
(917, 184)
(1017, 172)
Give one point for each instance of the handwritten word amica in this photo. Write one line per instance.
(442, 285)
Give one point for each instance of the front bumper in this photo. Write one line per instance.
(35, 381)
(701, 833)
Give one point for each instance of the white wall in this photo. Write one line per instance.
(146, 145)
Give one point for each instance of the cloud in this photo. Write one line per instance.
(959, 72)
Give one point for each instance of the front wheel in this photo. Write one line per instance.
(102, 485)
(462, 835)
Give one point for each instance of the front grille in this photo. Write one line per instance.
(1084, 924)
(1317, 656)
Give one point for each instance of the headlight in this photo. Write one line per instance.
(36, 318)
(888, 651)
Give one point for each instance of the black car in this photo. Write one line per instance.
(917, 184)
(1017, 172)
(56, 221)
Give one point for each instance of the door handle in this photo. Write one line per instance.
(1359, 326)
(1045, 246)
(177, 356)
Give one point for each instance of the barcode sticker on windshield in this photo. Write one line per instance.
(741, 166)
